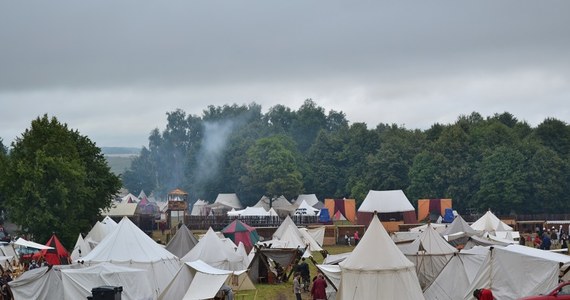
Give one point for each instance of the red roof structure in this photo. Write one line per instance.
(56, 256)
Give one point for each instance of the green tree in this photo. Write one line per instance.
(57, 181)
(554, 134)
(308, 121)
(503, 181)
(272, 168)
(326, 166)
(140, 176)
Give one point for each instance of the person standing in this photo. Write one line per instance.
(303, 268)
(346, 239)
(297, 286)
(319, 288)
(356, 238)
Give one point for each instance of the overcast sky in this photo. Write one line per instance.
(112, 69)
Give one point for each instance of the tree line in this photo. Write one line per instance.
(496, 162)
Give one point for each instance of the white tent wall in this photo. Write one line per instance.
(78, 283)
(386, 202)
(198, 280)
(429, 253)
(177, 288)
(213, 251)
(489, 222)
(128, 246)
(518, 271)
(80, 249)
(455, 277)
(318, 234)
(381, 284)
(41, 283)
(377, 269)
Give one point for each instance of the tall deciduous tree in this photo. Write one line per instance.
(272, 167)
(57, 180)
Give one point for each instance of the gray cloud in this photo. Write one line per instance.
(112, 70)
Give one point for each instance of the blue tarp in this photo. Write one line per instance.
(448, 217)
(324, 216)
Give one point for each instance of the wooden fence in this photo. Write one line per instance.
(219, 222)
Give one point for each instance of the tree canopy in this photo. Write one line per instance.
(496, 162)
(56, 180)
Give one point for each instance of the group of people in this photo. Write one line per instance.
(355, 236)
(301, 282)
(545, 239)
(318, 288)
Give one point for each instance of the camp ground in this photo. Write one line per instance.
(433, 260)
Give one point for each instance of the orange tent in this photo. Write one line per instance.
(347, 208)
(436, 206)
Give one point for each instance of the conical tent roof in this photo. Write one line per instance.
(430, 243)
(182, 242)
(239, 232)
(229, 200)
(212, 250)
(459, 225)
(198, 208)
(306, 209)
(58, 255)
(386, 202)
(311, 199)
(376, 269)
(277, 204)
(489, 222)
(128, 243)
(80, 249)
(283, 227)
(376, 240)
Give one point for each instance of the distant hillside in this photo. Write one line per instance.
(120, 158)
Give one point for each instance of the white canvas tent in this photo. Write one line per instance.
(29, 244)
(198, 280)
(80, 249)
(430, 253)
(518, 271)
(333, 275)
(311, 200)
(489, 222)
(457, 275)
(280, 205)
(228, 200)
(212, 250)
(368, 275)
(288, 235)
(305, 209)
(99, 231)
(40, 283)
(128, 246)
(199, 208)
(249, 212)
(440, 228)
(318, 233)
(182, 242)
(386, 202)
(78, 283)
